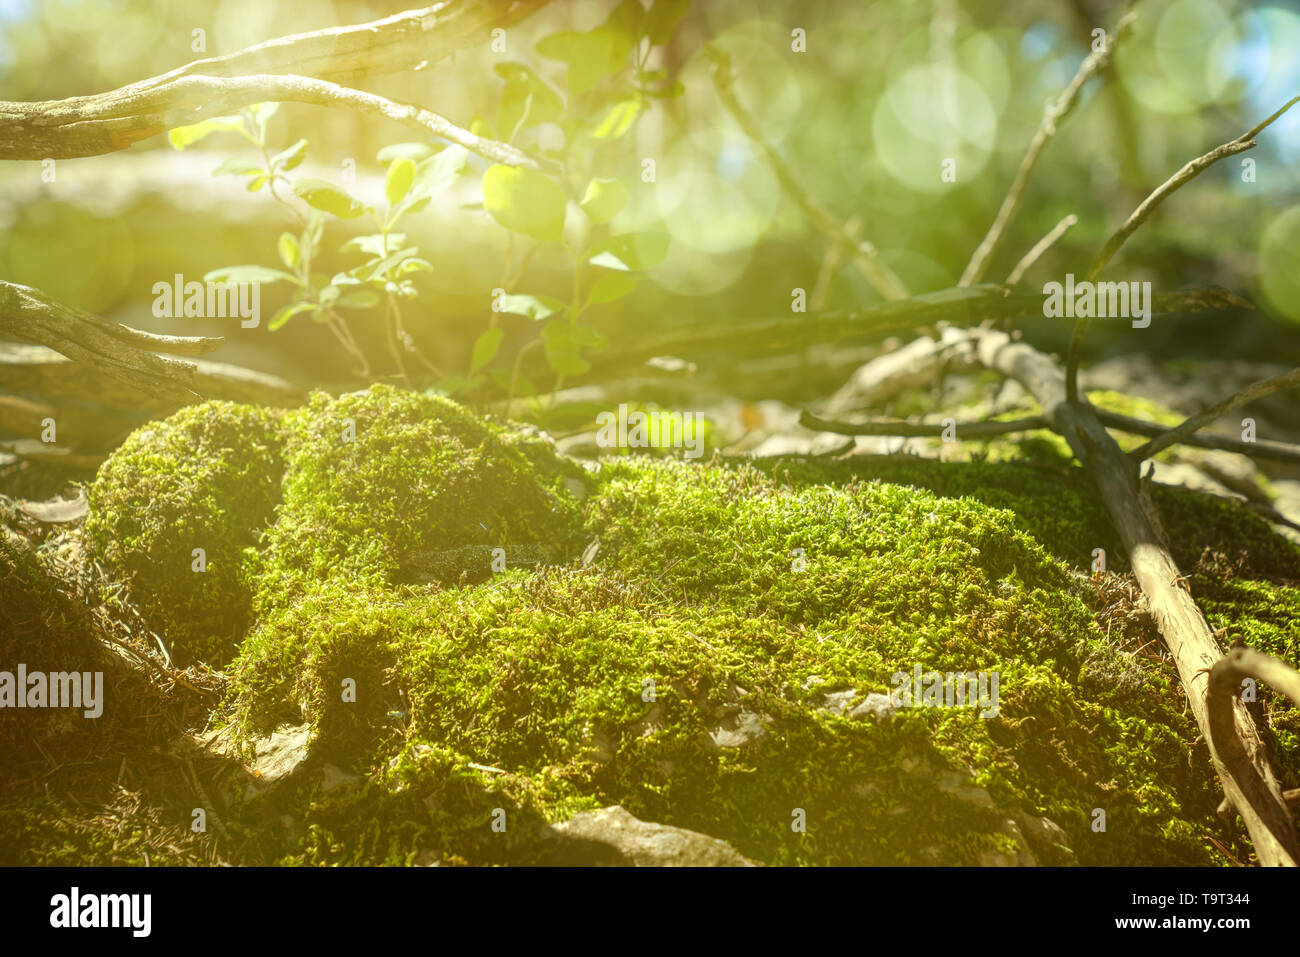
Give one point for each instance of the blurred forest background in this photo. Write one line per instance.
(884, 94)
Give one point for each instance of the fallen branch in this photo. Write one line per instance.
(1223, 697)
(107, 122)
(1140, 215)
(126, 354)
(1093, 64)
(1240, 758)
(901, 428)
(795, 332)
(1263, 448)
(883, 279)
(922, 360)
(1181, 433)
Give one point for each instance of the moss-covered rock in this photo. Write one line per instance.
(376, 476)
(716, 665)
(207, 478)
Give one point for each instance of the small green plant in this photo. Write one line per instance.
(384, 277)
(605, 89)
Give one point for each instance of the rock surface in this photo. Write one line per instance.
(613, 837)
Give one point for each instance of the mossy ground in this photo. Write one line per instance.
(730, 590)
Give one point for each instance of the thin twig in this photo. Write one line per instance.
(831, 263)
(107, 122)
(899, 427)
(882, 278)
(1260, 449)
(1039, 248)
(1093, 64)
(1196, 422)
(1140, 215)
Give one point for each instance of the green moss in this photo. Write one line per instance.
(209, 478)
(373, 477)
(723, 597)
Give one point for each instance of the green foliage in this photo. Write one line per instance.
(525, 201)
(607, 88)
(604, 199)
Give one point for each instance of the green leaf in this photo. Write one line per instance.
(525, 201)
(566, 363)
(634, 251)
(401, 174)
(359, 299)
(373, 243)
(628, 20)
(534, 307)
(259, 274)
(329, 295)
(256, 183)
(587, 336)
(261, 113)
(563, 352)
(604, 199)
(288, 312)
(485, 349)
(237, 167)
(328, 198)
(610, 286)
(661, 21)
(435, 175)
(590, 55)
(290, 254)
(526, 100)
(378, 268)
(291, 157)
(618, 120)
(183, 136)
(415, 152)
(413, 265)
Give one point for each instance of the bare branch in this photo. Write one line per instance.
(1093, 64)
(122, 352)
(1260, 449)
(1221, 697)
(883, 279)
(794, 332)
(831, 262)
(1162, 192)
(1140, 215)
(1199, 421)
(899, 427)
(106, 122)
(1236, 747)
(1039, 248)
(919, 362)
